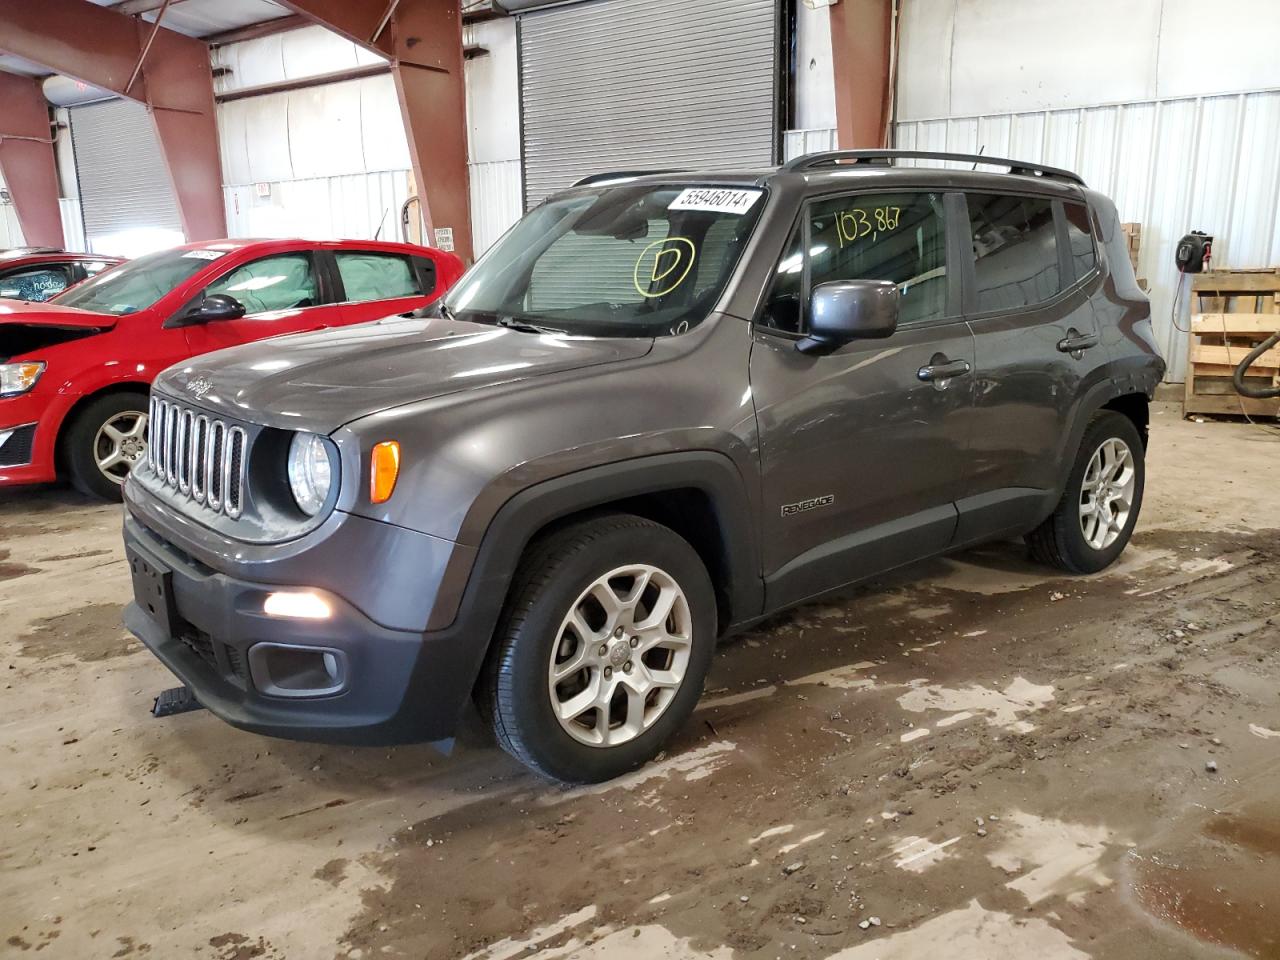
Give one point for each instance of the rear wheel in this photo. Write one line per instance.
(1099, 508)
(602, 650)
(107, 439)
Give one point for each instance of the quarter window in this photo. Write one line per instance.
(783, 311)
(1083, 256)
(285, 282)
(1015, 251)
(376, 276)
(900, 237)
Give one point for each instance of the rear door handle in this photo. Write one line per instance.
(1076, 342)
(944, 370)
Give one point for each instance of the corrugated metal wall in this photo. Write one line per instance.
(72, 226)
(495, 201)
(1205, 163)
(351, 207)
(796, 143)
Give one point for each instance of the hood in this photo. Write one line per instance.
(320, 381)
(52, 315)
(31, 328)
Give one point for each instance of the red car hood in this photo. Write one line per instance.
(51, 315)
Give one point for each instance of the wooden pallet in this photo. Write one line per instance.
(1233, 311)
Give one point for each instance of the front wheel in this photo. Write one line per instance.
(602, 649)
(107, 439)
(1099, 508)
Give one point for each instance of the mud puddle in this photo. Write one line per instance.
(1217, 877)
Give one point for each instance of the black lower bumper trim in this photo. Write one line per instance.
(401, 687)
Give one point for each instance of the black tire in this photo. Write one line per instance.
(1060, 541)
(513, 693)
(79, 441)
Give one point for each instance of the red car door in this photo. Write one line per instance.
(282, 293)
(380, 283)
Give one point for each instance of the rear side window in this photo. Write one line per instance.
(1083, 256)
(1015, 251)
(36, 284)
(900, 237)
(376, 276)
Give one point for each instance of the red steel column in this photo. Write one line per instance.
(102, 47)
(423, 41)
(27, 162)
(860, 42)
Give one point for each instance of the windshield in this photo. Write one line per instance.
(617, 261)
(136, 285)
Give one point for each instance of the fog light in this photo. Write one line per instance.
(298, 605)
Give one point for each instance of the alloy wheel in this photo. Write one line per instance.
(120, 444)
(620, 656)
(1106, 494)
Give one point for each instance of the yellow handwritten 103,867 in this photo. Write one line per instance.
(857, 223)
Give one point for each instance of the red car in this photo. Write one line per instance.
(75, 372)
(39, 273)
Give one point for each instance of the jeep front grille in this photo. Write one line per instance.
(201, 457)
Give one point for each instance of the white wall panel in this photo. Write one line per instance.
(815, 69)
(924, 65)
(10, 230)
(1206, 163)
(988, 57)
(493, 93)
(495, 201)
(336, 129)
(1217, 47)
(328, 208)
(1254, 206)
(295, 55)
(796, 143)
(325, 136)
(1014, 55)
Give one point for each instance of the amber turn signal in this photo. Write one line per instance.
(385, 469)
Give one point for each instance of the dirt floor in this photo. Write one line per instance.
(972, 759)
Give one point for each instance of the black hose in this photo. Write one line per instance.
(1237, 378)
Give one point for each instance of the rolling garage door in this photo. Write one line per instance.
(646, 84)
(124, 184)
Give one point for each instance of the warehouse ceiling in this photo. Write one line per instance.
(195, 18)
(202, 18)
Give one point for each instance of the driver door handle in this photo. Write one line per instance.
(944, 370)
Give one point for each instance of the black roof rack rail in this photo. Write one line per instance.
(883, 157)
(623, 175)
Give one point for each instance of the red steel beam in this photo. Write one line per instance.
(27, 162)
(102, 47)
(860, 48)
(423, 41)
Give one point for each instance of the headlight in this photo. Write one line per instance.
(16, 378)
(310, 472)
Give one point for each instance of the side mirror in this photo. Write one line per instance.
(846, 310)
(216, 306)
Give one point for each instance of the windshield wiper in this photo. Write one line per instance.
(524, 326)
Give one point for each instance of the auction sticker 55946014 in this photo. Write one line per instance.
(716, 200)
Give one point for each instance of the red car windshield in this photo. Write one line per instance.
(138, 284)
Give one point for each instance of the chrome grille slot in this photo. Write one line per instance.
(200, 457)
(186, 431)
(234, 471)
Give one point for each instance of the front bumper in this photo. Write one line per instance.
(34, 462)
(398, 686)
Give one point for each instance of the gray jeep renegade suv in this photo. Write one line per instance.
(661, 408)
